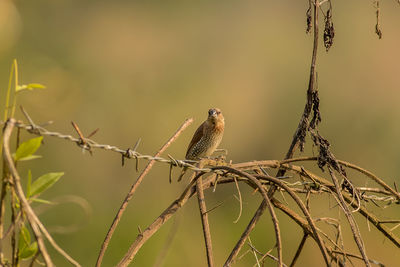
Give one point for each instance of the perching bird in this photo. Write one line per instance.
(207, 137)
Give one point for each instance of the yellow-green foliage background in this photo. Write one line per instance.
(139, 68)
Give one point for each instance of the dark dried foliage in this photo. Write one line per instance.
(316, 119)
(309, 20)
(325, 156)
(302, 133)
(329, 31)
(378, 30)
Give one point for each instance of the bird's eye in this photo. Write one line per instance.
(211, 112)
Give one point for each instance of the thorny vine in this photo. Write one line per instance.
(210, 173)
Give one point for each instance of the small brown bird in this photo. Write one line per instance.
(207, 137)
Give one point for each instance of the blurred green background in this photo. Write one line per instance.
(140, 68)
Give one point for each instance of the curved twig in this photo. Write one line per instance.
(350, 218)
(351, 166)
(305, 212)
(254, 180)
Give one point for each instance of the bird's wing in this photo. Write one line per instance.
(196, 137)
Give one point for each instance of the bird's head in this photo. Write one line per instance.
(215, 115)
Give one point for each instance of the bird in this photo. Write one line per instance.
(207, 137)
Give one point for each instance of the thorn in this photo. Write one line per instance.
(34, 128)
(78, 130)
(173, 163)
(264, 171)
(82, 142)
(182, 173)
(129, 153)
(44, 124)
(215, 182)
(93, 133)
(170, 173)
(137, 144)
(213, 208)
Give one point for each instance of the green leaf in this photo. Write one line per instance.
(30, 157)
(21, 87)
(28, 148)
(44, 182)
(24, 238)
(30, 87)
(25, 248)
(28, 251)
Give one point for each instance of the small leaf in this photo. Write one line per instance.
(28, 251)
(21, 87)
(30, 87)
(28, 148)
(24, 238)
(44, 182)
(30, 157)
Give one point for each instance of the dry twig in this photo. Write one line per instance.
(133, 189)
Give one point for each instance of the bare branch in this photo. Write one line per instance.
(133, 189)
(204, 220)
(244, 236)
(160, 220)
(240, 200)
(350, 218)
(299, 249)
(246, 232)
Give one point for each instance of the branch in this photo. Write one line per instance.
(37, 226)
(305, 212)
(350, 218)
(244, 236)
(300, 133)
(133, 189)
(246, 233)
(299, 249)
(204, 220)
(160, 220)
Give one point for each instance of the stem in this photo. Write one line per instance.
(133, 190)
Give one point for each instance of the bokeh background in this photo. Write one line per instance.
(138, 69)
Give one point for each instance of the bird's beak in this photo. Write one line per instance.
(212, 112)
